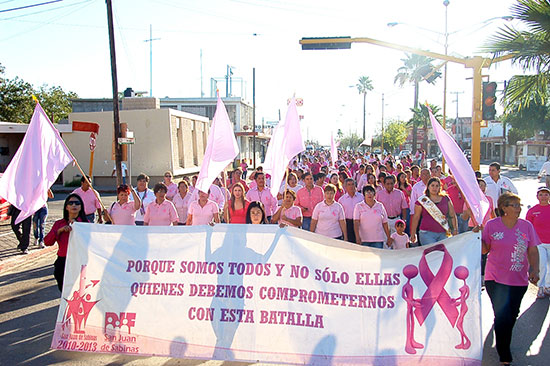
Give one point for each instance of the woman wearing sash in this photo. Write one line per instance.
(434, 208)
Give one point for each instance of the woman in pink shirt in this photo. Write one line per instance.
(160, 212)
(171, 187)
(512, 263)
(203, 211)
(335, 181)
(539, 216)
(123, 212)
(235, 208)
(370, 220)
(182, 200)
(328, 216)
(288, 214)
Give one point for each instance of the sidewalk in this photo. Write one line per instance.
(10, 256)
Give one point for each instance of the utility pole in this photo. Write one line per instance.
(503, 157)
(382, 134)
(253, 116)
(116, 117)
(446, 4)
(150, 40)
(456, 120)
(202, 90)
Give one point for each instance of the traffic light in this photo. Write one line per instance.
(489, 100)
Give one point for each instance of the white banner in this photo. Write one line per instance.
(259, 293)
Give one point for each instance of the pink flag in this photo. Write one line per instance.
(333, 150)
(462, 171)
(221, 148)
(35, 166)
(286, 142)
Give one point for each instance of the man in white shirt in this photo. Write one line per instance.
(348, 201)
(498, 184)
(545, 169)
(146, 196)
(124, 172)
(419, 188)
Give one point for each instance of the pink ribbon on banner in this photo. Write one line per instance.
(436, 287)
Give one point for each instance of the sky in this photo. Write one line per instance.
(66, 44)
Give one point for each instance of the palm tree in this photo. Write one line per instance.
(415, 69)
(530, 48)
(363, 86)
(421, 118)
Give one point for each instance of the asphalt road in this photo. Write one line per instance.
(29, 301)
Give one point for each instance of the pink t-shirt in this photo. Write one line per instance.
(370, 221)
(123, 214)
(428, 223)
(202, 215)
(399, 241)
(507, 260)
(91, 204)
(454, 194)
(349, 203)
(539, 216)
(328, 218)
(182, 205)
(292, 213)
(172, 191)
(160, 215)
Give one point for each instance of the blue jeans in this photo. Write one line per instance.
(506, 301)
(373, 244)
(429, 237)
(462, 224)
(91, 217)
(306, 223)
(39, 220)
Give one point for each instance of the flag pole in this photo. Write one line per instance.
(76, 163)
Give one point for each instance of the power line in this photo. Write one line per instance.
(30, 6)
(43, 11)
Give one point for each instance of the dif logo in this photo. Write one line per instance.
(120, 320)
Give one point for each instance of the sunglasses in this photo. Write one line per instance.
(514, 205)
(168, 176)
(73, 203)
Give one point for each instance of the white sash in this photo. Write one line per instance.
(434, 212)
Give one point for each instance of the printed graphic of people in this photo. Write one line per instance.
(462, 273)
(410, 271)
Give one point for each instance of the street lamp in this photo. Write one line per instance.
(446, 48)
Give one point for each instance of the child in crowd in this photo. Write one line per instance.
(400, 239)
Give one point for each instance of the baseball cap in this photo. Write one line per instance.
(543, 189)
(400, 222)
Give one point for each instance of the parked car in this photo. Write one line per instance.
(404, 153)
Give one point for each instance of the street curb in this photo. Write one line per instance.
(9, 263)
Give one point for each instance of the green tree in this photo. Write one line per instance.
(415, 69)
(530, 49)
(17, 105)
(395, 135)
(339, 134)
(528, 121)
(363, 86)
(421, 118)
(351, 141)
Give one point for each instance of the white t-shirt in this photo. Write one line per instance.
(123, 167)
(328, 219)
(399, 241)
